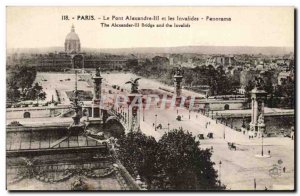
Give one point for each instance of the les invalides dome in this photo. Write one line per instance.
(72, 42)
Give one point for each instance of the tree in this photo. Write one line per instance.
(248, 90)
(35, 92)
(12, 93)
(288, 92)
(281, 96)
(138, 154)
(25, 76)
(184, 164)
(161, 61)
(19, 77)
(175, 162)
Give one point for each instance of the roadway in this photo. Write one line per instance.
(239, 168)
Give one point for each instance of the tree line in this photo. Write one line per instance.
(175, 162)
(19, 84)
(278, 96)
(218, 81)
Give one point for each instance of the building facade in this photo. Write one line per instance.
(62, 61)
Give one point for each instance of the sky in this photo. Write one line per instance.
(36, 27)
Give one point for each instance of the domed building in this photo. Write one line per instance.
(72, 57)
(72, 42)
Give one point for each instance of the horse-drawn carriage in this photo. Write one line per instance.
(210, 135)
(231, 146)
(201, 136)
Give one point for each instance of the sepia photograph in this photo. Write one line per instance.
(181, 98)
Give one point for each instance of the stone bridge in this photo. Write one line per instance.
(247, 113)
(122, 117)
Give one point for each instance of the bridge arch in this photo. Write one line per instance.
(226, 107)
(26, 115)
(111, 118)
(114, 126)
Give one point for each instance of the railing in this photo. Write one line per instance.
(27, 141)
(121, 118)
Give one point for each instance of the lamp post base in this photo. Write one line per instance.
(262, 156)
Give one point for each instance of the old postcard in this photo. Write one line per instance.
(150, 98)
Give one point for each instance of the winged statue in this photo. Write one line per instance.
(134, 85)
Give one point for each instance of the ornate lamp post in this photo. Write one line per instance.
(155, 121)
(76, 106)
(128, 116)
(168, 127)
(138, 180)
(224, 131)
(143, 114)
(220, 165)
(262, 145)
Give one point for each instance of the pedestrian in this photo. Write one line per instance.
(196, 116)
(283, 169)
(269, 152)
(153, 124)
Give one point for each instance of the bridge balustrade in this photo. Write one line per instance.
(121, 117)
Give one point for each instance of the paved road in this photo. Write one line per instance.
(239, 168)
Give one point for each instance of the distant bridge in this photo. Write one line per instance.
(247, 113)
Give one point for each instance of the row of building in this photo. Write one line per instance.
(60, 61)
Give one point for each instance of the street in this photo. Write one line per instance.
(239, 168)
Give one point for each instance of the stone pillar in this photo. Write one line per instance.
(134, 103)
(134, 111)
(178, 76)
(96, 110)
(257, 124)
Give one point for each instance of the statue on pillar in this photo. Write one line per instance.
(260, 119)
(134, 85)
(257, 125)
(179, 71)
(98, 71)
(97, 79)
(97, 84)
(134, 103)
(178, 76)
(259, 83)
